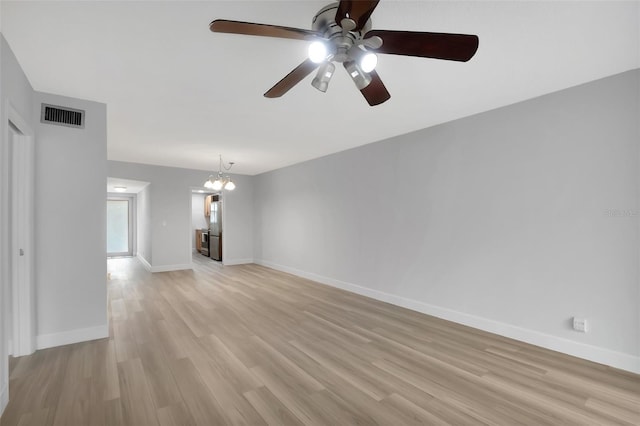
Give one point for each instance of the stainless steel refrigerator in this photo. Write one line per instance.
(215, 228)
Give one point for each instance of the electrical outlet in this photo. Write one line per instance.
(580, 324)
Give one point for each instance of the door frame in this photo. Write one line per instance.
(22, 220)
(131, 199)
(203, 191)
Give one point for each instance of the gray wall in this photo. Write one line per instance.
(505, 220)
(70, 276)
(70, 226)
(16, 91)
(170, 213)
(143, 224)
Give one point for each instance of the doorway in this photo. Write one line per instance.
(119, 226)
(206, 224)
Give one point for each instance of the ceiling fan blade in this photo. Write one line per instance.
(358, 10)
(375, 93)
(452, 47)
(264, 30)
(291, 79)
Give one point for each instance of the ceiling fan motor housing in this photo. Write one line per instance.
(324, 22)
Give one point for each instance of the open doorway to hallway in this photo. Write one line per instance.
(127, 219)
(120, 224)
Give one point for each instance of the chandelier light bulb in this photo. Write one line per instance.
(317, 52)
(217, 185)
(209, 183)
(230, 186)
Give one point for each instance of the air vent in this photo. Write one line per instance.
(62, 116)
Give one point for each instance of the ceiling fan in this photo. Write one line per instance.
(341, 32)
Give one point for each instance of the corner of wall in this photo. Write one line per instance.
(4, 397)
(144, 262)
(232, 262)
(45, 341)
(169, 268)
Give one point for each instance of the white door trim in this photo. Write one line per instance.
(23, 335)
(131, 217)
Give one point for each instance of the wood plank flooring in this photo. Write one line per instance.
(248, 345)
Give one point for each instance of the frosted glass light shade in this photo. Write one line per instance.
(368, 62)
(359, 77)
(217, 185)
(322, 79)
(317, 52)
(209, 182)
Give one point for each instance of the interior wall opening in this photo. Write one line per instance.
(120, 223)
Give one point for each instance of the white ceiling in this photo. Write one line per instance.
(178, 95)
(132, 186)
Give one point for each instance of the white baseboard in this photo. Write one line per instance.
(4, 397)
(45, 341)
(236, 262)
(592, 353)
(169, 268)
(163, 268)
(144, 262)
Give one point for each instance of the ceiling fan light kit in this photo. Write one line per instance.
(359, 77)
(342, 32)
(318, 52)
(368, 61)
(322, 79)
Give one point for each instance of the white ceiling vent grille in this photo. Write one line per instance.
(62, 116)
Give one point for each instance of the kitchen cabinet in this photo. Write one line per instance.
(198, 240)
(207, 206)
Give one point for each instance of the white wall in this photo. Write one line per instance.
(143, 225)
(70, 273)
(501, 221)
(71, 231)
(237, 217)
(198, 219)
(15, 91)
(170, 200)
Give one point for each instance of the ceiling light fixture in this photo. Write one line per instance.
(120, 188)
(359, 77)
(322, 79)
(317, 52)
(365, 59)
(345, 28)
(220, 181)
(368, 62)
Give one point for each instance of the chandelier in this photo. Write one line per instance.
(220, 181)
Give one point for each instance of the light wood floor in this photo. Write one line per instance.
(249, 345)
